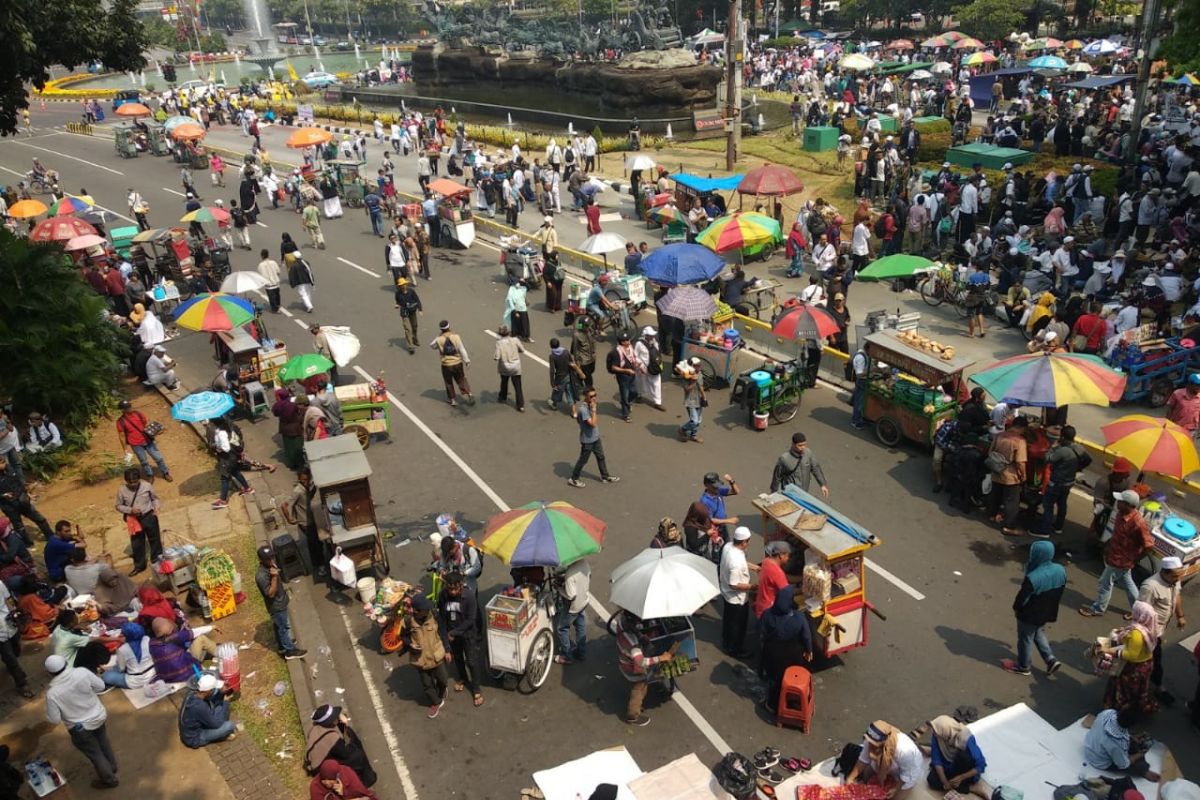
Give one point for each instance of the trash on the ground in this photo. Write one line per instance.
(280, 688)
(340, 690)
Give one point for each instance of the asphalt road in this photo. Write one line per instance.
(946, 592)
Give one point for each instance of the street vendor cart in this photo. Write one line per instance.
(349, 181)
(365, 411)
(520, 635)
(918, 392)
(456, 223)
(1154, 368)
(831, 565)
(340, 472)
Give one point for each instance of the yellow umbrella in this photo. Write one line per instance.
(1152, 444)
(24, 209)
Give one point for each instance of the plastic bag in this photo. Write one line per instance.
(342, 569)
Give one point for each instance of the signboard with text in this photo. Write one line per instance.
(708, 123)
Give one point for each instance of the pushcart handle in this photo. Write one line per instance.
(875, 611)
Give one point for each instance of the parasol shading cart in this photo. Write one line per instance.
(341, 473)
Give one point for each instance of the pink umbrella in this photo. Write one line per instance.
(85, 241)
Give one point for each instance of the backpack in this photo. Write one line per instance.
(881, 226)
(239, 217)
(846, 760)
(736, 775)
(848, 372)
(995, 461)
(448, 349)
(655, 365)
(1079, 189)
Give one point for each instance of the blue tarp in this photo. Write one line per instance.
(1100, 81)
(981, 85)
(699, 184)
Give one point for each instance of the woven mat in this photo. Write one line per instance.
(782, 508)
(811, 522)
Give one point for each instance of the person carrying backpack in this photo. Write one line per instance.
(1066, 459)
(455, 360)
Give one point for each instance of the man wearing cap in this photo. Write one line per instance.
(771, 575)
(1130, 541)
(734, 575)
(1163, 592)
(204, 714)
(798, 467)
(713, 497)
(454, 358)
(158, 369)
(73, 699)
(649, 358)
(270, 583)
(1117, 480)
(1183, 406)
(410, 308)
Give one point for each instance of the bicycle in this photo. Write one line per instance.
(939, 288)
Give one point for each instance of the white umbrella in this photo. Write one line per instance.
(1079, 66)
(857, 62)
(242, 281)
(1101, 47)
(664, 582)
(921, 75)
(942, 66)
(603, 242)
(638, 161)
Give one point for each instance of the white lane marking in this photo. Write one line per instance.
(892, 579)
(538, 359)
(173, 191)
(301, 323)
(73, 158)
(357, 267)
(286, 313)
(685, 705)
(389, 733)
(261, 224)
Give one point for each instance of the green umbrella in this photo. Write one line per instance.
(305, 366)
(897, 266)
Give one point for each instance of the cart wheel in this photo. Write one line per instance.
(930, 291)
(786, 406)
(389, 638)
(541, 656)
(766, 253)
(960, 304)
(1160, 392)
(887, 431)
(747, 310)
(361, 433)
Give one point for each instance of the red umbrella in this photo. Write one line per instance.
(805, 322)
(770, 179)
(60, 229)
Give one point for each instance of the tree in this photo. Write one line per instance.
(75, 32)
(1182, 48)
(990, 19)
(59, 353)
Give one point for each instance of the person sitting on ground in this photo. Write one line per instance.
(955, 761)
(334, 780)
(135, 665)
(178, 651)
(155, 604)
(204, 714)
(1109, 746)
(159, 370)
(15, 558)
(114, 593)
(83, 572)
(78, 648)
(331, 737)
(40, 613)
(59, 548)
(786, 641)
(889, 759)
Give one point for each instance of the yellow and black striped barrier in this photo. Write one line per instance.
(81, 128)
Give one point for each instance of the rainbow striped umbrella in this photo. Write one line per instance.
(738, 230)
(214, 312)
(1152, 444)
(968, 43)
(1050, 380)
(69, 204)
(936, 41)
(664, 215)
(975, 59)
(542, 534)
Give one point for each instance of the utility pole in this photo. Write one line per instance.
(734, 54)
(1150, 23)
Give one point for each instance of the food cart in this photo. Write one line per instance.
(1174, 533)
(1154, 368)
(520, 635)
(907, 401)
(349, 181)
(831, 562)
(365, 411)
(340, 472)
(456, 224)
(772, 391)
(255, 368)
(156, 136)
(125, 140)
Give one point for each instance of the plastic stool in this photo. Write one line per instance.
(795, 699)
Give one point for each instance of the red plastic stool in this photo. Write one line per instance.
(796, 703)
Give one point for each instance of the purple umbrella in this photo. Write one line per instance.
(688, 303)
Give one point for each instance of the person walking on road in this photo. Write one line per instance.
(573, 586)
(410, 308)
(1007, 461)
(458, 614)
(1036, 605)
(734, 576)
(649, 357)
(694, 402)
(589, 440)
(73, 699)
(269, 269)
(373, 206)
(138, 503)
(321, 346)
(1163, 592)
(564, 373)
(427, 653)
(453, 354)
(300, 278)
(583, 351)
(798, 467)
(312, 224)
(241, 227)
(1130, 541)
(508, 364)
(622, 364)
(1066, 460)
(634, 665)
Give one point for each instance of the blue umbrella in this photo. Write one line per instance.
(682, 264)
(1048, 62)
(202, 406)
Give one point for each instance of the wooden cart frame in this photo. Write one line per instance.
(364, 418)
(340, 471)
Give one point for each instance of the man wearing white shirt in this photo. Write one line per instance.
(1172, 284)
(968, 207)
(735, 590)
(73, 699)
(1127, 317)
(1064, 269)
(860, 248)
(824, 255)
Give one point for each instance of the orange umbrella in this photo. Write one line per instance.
(188, 130)
(308, 137)
(24, 209)
(133, 110)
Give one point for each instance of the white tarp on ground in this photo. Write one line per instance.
(682, 779)
(579, 778)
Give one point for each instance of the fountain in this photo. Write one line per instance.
(192, 65)
(571, 129)
(158, 67)
(223, 78)
(142, 76)
(510, 119)
(268, 54)
(669, 136)
(357, 52)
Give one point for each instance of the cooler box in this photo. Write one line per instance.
(817, 140)
(888, 124)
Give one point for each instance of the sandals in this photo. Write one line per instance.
(1088, 611)
(458, 687)
(477, 700)
(27, 693)
(794, 765)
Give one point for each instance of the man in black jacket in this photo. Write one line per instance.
(459, 618)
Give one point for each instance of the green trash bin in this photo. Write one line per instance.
(817, 140)
(887, 124)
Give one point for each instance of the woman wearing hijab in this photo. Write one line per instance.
(316, 424)
(697, 527)
(516, 309)
(335, 781)
(39, 613)
(291, 428)
(332, 738)
(889, 759)
(1055, 223)
(1036, 605)
(1134, 644)
(1041, 315)
(114, 593)
(955, 760)
(786, 641)
(156, 605)
(668, 535)
(135, 664)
